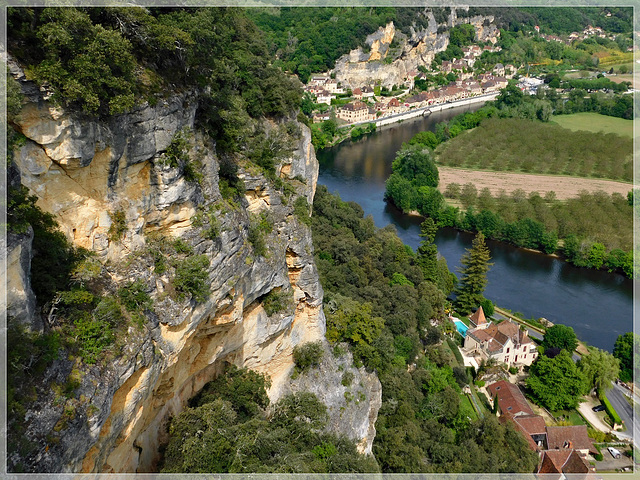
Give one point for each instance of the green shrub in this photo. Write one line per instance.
(456, 351)
(479, 383)
(92, 336)
(301, 210)
(307, 355)
(134, 297)
(213, 230)
(275, 301)
(613, 415)
(259, 226)
(118, 225)
(108, 311)
(182, 247)
(347, 379)
(191, 277)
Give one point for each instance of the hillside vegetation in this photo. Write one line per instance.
(380, 298)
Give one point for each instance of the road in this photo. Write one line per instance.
(616, 396)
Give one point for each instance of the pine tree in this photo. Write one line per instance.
(427, 251)
(474, 275)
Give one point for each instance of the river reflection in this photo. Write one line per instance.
(598, 305)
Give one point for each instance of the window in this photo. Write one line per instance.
(507, 350)
(506, 359)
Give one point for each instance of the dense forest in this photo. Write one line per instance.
(380, 297)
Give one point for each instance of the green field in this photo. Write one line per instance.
(594, 122)
(527, 146)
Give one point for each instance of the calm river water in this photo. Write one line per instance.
(598, 305)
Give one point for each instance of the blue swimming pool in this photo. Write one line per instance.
(461, 327)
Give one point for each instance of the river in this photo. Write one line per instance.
(598, 305)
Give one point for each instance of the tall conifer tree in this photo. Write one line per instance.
(474, 275)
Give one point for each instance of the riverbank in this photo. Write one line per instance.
(344, 133)
(534, 284)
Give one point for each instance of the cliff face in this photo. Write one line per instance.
(83, 170)
(388, 66)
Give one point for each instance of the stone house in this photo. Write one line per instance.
(504, 342)
(354, 112)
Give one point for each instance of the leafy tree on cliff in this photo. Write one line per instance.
(556, 383)
(560, 336)
(474, 275)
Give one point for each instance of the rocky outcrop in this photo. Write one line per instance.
(352, 395)
(83, 170)
(419, 48)
(21, 302)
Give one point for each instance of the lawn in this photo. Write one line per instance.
(466, 408)
(594, 122)
(570, 416)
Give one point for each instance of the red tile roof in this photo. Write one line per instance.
(510, 398)
(478, 317)
(532, 424)
(570, 437)
(563, 461)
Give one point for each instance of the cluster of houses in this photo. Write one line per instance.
(323, 88)
(562, 450)
(589, 31)
(504, 342)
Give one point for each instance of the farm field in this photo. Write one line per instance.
(594, 122)
(564, 187)
(527, 146)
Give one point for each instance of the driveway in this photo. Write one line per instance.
(585, 409)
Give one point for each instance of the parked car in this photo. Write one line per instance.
(598, 408)
(615, 453)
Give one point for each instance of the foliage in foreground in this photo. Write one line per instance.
(230, 427)
(380, 297)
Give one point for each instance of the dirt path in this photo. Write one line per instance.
(564, 187)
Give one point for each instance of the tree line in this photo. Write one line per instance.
(107, 60)
(588, 225)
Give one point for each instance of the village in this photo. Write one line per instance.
(503, 350)
(367, 103)
(351, 104)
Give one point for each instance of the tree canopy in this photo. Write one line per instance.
(560, 336)
(556, 383)
(600, 368)
(625, 347)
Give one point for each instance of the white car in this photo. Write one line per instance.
(615, 453)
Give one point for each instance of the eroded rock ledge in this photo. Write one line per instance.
(82, 170)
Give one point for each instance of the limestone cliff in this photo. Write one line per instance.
(394, 57)
(83, 170)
